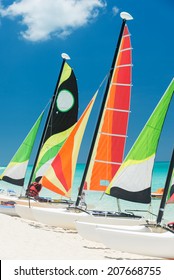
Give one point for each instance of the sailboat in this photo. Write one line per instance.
(133, 181)
(61, 118)
(61, 166)
(155, 240)
(15, 172)
(60, 121)
(111, 132)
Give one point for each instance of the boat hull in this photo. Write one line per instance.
(8, 210)
(66, 219)
(5, 197)
(25, 212)
(139, 241)
(89, 230)
(58, 217)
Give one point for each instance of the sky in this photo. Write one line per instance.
(34, 33)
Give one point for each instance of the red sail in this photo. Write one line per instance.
(109, 147)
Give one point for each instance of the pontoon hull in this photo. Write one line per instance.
(8, 210)
(5, 197)
(66, 219)
(26, 212)
(139, 241)
(89, 230)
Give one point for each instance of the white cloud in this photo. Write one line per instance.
(46, 18)
(115, 10)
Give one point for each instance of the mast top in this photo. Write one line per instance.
(126, 16)
(65, 56)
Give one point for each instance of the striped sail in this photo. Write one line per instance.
(59, 176)
(16, 169)
(108, 151)
(63, 117)
(133, 179)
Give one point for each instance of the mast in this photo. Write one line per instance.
(64, 57)
(125, 16)
(166, 188)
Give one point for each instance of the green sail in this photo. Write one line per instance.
(133, 180)
(16, 169)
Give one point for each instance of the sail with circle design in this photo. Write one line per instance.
(59, 176)
(60, 122)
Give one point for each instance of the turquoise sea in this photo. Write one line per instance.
(101, 201)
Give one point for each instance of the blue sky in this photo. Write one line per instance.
(35, 32)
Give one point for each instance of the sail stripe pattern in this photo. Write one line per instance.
(110, 143)
(16, 169)
(133, 179)
(64, 116)
(59, 176)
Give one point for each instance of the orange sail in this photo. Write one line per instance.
(59, 176)
(108, 151)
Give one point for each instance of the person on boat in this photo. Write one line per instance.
(34, 190)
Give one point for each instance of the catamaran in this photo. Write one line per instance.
(60, 121)
(58, 166)
(156, 240)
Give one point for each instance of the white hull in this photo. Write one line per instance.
(89, 230)
(139, 241)
(25, 212)
(5, 197)
(58, 217)
(66, 219)
(8, 210)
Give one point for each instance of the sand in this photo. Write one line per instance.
(23, 239)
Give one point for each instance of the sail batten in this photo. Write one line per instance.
(126, 49)
(118, 110)
(122, 84)
(123, 65)
(107, 162)
(112, 134)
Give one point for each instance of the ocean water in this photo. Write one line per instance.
(101, 201)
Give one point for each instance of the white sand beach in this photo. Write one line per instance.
(23, 239)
